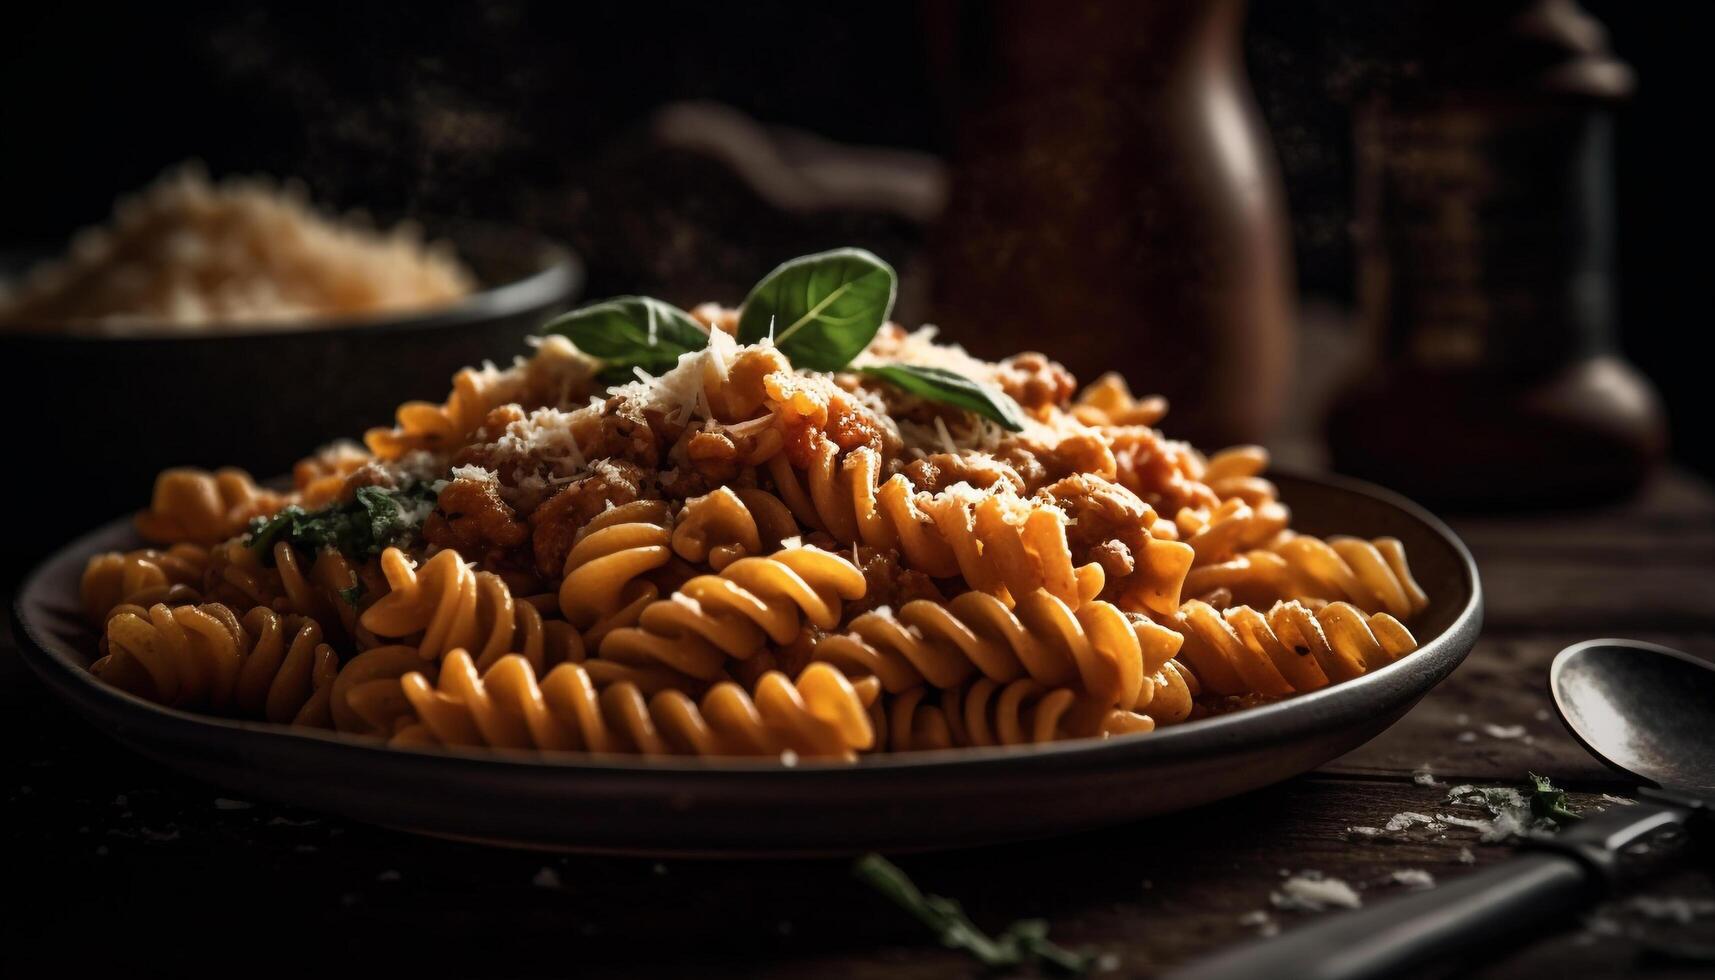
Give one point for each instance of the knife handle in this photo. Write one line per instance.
(1412, 930)
(1551, 877)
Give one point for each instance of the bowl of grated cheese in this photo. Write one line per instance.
(297, 327)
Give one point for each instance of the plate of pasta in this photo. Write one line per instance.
(785, 578)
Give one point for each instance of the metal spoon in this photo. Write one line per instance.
(1644, 709)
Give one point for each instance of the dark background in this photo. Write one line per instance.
(411, 107)
(503, 109)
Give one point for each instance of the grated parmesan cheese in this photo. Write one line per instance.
(681, 393)
(546, 435)
(1415, 879)
(946, 437)
(717, 353)
(1312, 892)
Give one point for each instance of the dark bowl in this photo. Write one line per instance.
(732, 807)
(105, 414)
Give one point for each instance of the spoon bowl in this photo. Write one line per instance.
(1642, 708)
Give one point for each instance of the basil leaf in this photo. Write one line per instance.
(949, 388)
(821, 309)
(616, 375)
(631, 332)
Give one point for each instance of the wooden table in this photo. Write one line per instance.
(118, 859)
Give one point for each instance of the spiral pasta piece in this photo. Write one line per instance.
(1108, 401)
(1000, 543)
(328, 590)
(446, 604)
(264, 665)
(557, 375)
(1236, 473)
(319, 480)
(1372, 575)
(368, 698)
(725, 525)
(437, 600)
(1289, 649)
(365, 697)
(236, 577)
(734, 614)
(849, 501)
(1230, 528)
(605, 588)
(1174, 690)
(986, 713)
(1019, 713)
(1094, 650)
(321, 592)
(819, 714)
(142, 577)
(449, 425)
(198, 507)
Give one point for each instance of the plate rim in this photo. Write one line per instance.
(1411, 677)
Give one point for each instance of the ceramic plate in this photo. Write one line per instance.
(909, 801)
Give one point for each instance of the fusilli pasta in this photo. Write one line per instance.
(986, 713)
(447, 605)
(263, 666)
(738, 555)
(606, 587)
(142, 578)
(734, 614)
(1093, 649)
(1289, 649)
(1372, 575)
(819, 714)
(199, 507)
(999, 543)
(725, 525)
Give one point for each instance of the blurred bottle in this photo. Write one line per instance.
(1485, 238)
(1115, 203)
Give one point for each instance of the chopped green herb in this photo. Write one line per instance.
(374, 519)
(354, 593)
(940, 385)
(1022, 942)
(1548, 802)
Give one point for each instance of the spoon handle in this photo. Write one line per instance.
(1413, 930)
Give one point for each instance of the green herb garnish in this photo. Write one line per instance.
(352, 594)
(940, 385)
(1023, 941)
(821, 309)
(374, 519)
(1549, 803)
(631, 332)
